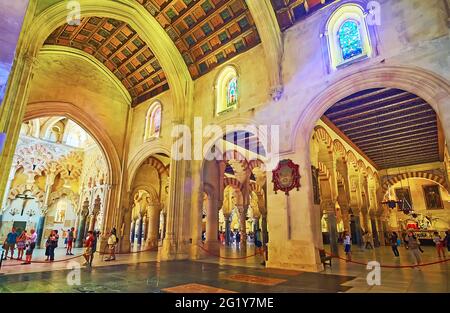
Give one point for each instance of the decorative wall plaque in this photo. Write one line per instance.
(286, 176)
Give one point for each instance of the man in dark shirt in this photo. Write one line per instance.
(10, 242)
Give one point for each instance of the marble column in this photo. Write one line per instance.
(212, 226)
(212, 222)
(145, 227)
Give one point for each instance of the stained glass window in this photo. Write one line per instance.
(232, 92)
(350, 39)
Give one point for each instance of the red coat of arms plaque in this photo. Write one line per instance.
(286, 176)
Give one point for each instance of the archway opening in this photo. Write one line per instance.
(58, 181)
(148, 202)
(366, 152)
(234, 184)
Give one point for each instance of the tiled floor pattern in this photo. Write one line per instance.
(251, 279)
(195, 288)
(141, 273)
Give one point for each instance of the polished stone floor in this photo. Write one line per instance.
(141, 272)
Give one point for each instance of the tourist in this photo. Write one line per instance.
(112, 242)
(238, 240)
(348, 246)
(65, 236)
(21, 243)
(394, 243)
(88, 247)
(31, 244)
(10, 243)
(439, 242)
(258, 241)
(47, 246)
(70, 238)
(94, 247)
(413, 247)
(222, 237)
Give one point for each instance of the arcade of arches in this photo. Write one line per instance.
(89, 111)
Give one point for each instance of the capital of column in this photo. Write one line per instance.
(29, 59)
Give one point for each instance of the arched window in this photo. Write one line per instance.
(348, 36)
(153, 121)
(227, 95)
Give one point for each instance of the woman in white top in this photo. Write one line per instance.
(112, 241)
(348, 246)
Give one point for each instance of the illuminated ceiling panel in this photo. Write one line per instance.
(289, 12)
(391, 126)
(206, 32)
(120, 49)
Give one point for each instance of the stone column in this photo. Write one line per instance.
(346, 218)
(82, 224)
(330, 208)
(16, 89)
(7, 189)
(212, 226)
(176, 242)
(153, 226)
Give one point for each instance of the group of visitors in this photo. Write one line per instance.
(409, 240)
(25, 243)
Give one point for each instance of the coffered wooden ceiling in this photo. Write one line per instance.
(120, 49)
(206, 32)
(391, 126)
(289, 12)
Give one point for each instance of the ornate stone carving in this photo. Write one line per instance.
(277, 92)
